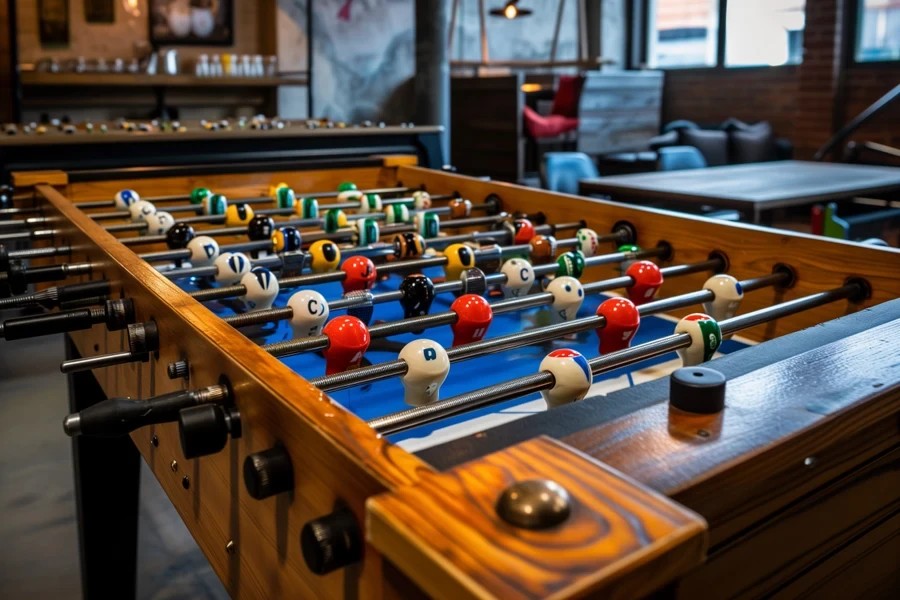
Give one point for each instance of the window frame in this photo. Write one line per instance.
(853, 26)
(640, 37)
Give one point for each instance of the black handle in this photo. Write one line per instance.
(79, 291)
(120, 416)
(48, 273)
(48, 324)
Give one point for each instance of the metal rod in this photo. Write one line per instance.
(335, 276)
(217, 219)
(22, 223)
(182, 197)
(20, 211)
(330, 383)
(421, 415)
(270, 262)
(40, 252)
(233, 291)
(791, 307)
(292, 347)
(104, 360)
(19, 236)
(308, 236)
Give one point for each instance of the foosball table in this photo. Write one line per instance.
(389, 381)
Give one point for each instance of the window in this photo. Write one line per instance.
(878, 31)
(764, 32)
(683, 33)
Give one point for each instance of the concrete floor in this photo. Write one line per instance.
(39, 554)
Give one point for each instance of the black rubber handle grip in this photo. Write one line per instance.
(120, 416)
(48, 273)
(79, 291)
(48, 324)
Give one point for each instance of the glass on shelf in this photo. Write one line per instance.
(201, 67)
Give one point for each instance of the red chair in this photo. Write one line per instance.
(551, 126)
(568, 95)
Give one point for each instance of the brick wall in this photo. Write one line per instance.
(6, 74)
(797, 100)
(748, 94)
(865, 84)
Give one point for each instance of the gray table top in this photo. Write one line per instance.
(763, 185)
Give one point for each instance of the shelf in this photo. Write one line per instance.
(40, 78)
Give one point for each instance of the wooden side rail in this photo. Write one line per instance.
(620, 539)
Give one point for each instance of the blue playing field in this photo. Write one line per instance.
(386, 396)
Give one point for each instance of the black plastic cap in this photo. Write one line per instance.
(268, 473)
(143, 337)
(178, 370)
(331, 542)
(119, 313)
(18, 283)
(697, 390)
(626, 231)
(494, 205)
(203, 430)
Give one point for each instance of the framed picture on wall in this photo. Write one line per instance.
(191, 22)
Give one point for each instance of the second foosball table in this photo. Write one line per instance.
(388, 381)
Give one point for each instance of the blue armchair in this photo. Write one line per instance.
(560, 171)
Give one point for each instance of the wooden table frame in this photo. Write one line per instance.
(339, 460)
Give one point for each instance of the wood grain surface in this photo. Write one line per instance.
(335, 455)
(820, 264)
(248, 185)
(807, 533)
(32, 178)
(620, 541)
(775, 440)
(759, 444)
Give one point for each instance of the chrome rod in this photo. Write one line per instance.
(508, 390)
(104, 360)
(40, 252)
(320, 342)
(261, 199)
(276, 314)
(233, 291)
(330, 383)
(414, 265)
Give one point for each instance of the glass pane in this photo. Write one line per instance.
(764, 32)
(683, 33)
(878, 37)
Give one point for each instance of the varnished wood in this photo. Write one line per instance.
(238, 186)
(820, 264)
(764, 410)
(337, 457)
(395, 160)
(333, 451)
(32, 178)
(620, 541)
(866, 567)
(803, 535)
